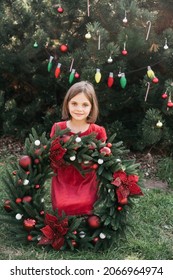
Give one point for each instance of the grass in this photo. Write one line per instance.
(150, 236)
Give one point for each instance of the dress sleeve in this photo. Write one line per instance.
(102, 134)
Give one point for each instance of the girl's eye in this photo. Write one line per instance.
(85, 105)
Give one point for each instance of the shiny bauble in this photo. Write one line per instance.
(25, 162)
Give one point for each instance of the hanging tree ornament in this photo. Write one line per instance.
(49, 67)
(58, 70)
(110, 59)
(98, 75)
(125, 18)
(110, 79)
(150, 73)
(164, 95)
(35, 45)
(63, 48)
(60, 10)
(71, 77)
(166, 44)
(169, 103)
(124, 51)
(149, 28)
(159, 124)
(123, 80)
(88, 35)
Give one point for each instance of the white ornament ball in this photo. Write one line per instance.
(18, 216)
(25, 182)
(118, 160)
(78, 139)
(110, 59)
(100, 161)
(159, 124)
(82, 234)
(72, 158)
(102, 235)
(88, 35)
(42, 200)
(37, 142)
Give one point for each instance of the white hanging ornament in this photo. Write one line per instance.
(18, 216)
(166, 45)
(110, 59)
(42, 200)
(125, 18)
(159, 124)
(37, 142)
(88, 35)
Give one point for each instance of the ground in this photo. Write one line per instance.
(148, 162)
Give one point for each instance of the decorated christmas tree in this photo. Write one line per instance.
(123, 47)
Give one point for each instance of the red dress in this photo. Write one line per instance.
(70, 191)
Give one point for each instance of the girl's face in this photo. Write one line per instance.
(79, 107)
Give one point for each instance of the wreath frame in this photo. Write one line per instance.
(25, 185)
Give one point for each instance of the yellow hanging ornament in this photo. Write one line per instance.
(98, 75)
(150, 73)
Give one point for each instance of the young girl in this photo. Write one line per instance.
(71, 192)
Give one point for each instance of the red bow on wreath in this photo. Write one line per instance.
(56, 154)
(54, 231)
(126, 186)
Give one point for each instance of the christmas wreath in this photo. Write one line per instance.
(25, 185)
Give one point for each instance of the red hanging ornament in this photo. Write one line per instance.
(170, 104)
(164, 95)
(77, 76)
(37, 186)
(58, 70)
(60, 10)
(124, 52)
(29, 224)
(25, 162)
(110, 79)
(155, 80)
(74, 243)
(63, 48)
(94, 221)
(105, 151)
(95, 240)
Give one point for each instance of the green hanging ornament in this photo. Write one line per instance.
(123, 80)
(71, 77)
(49, 67)
(35, 45)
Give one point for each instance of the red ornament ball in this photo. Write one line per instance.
(29, 224)
(27, 198)
(124, 52)
(63, 48)
(105, 151)
(94, 166)
(164, 95)
(36, 161)
(170, 104)
(60, 10)
(25, 162)
(77, 76)
(18, 200)
(7, 206)
(94, 221)
(155, 80)
(124, 201)
(95, 240)
(29, 237)
(119, 208)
